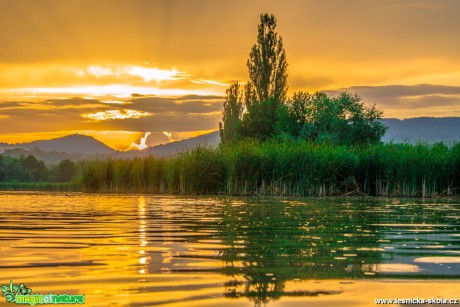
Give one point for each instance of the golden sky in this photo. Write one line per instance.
(116, 69)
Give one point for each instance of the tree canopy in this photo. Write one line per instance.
(342, 119)
(267, 112)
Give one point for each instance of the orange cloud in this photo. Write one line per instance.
(116, 114)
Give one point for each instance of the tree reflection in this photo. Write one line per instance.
(271, 243)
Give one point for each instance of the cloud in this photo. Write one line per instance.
(168, 105)
(116, 114)
(170, 122)
(113, 90)
(155, 114)
(431, 100)
(146, 73)
(199, 97)
(168, 135)
(407, 101)
(142, 143)
(10, 104)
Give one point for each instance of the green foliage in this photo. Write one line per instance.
(456, 164)
(267, 88)
(36, 170)
(292, 118)
(200, 171)
(93, 176)
(291, 167)
(232, 114)
(286, 168)
(304, 168)
(259, 121)
(267, 62)
(343, 119)
(11, 169)
(40, 186)
(24, 169)
(63, 172)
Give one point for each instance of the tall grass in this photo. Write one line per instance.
(199, 171)
(286, 168)
(40, 186)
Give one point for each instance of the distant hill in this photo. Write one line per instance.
(4, 146)
(427, 129)
(169, 149)
(76, 143)
(210, 139)
(53, 157)
(72, 144)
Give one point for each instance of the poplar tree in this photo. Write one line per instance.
(267, 62)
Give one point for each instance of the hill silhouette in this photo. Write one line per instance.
(71, 144)
(75, 143)
(425, 129)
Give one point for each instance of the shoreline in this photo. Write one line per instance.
(280, 197)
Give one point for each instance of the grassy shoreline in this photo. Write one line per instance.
(274, 168)
(285, 169)
(40, 186)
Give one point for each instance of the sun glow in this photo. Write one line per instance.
(116, 114)
(146, 73)
(149, 74)
(113, 90)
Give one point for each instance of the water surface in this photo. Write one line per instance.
(134, 250)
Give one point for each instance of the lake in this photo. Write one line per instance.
(150, 250)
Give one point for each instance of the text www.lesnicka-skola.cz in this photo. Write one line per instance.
(416, 301)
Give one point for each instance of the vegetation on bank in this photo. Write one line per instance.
(293, 168)
(40, 186)
(27, 169)
(274, 167)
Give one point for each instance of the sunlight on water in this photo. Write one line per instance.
(148, 250)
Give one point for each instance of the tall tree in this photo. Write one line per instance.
(232, 113)
(267, 62)
(266, 91)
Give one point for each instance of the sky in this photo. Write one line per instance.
(127, 70)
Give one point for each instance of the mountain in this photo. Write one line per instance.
(73, 147)
(425, 129)
(4, 146)
(210, 139)
(75, 143)
(53, 157)
(71, 144)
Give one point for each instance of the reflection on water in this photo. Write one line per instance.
(153, 250)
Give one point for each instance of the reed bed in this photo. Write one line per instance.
(285, 169)
(40, 186)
